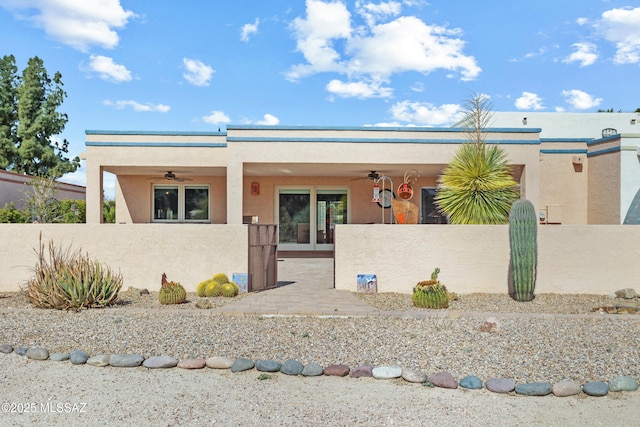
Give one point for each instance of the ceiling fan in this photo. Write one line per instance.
(170, 176)
(371, 176)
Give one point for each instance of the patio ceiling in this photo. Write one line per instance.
(348, 170)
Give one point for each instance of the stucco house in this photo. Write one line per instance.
(14, 188)
(184, 199)
(307, 179)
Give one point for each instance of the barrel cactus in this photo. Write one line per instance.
(171, 292)
(213, 289)
(202, 288)
(221, 278)
(228, 290)
(431, 293)
(523, 223)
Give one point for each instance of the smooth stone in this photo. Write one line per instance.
(99, 360)
(312, 370)
(242, 364)
(500, 385)
(59, 357)
(443, 380)
(160, 362)
(125, 360)
(626, 293)
(21, 351)
(361, 371)
(78, 357)
(6, 348)
(596, 388)
(268, 366)
(197, 363)
(566, 388)
(534, 389)
(413, 376)
(37, 353)
(471, 382)
(336, 370)
(203, 304)
(386, 372)
(623, 383)
(217, 362)
(292, 367)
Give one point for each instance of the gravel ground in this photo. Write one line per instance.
(572, 345)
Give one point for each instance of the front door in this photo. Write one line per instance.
(307, 217)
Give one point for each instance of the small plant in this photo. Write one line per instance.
(263, 377)
(221, 278)
(67, 279)
(171, 292)
(201, 289)
(213, 289)
(228, 290)
(431, 293)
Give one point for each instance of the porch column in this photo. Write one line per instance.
(235, 190)
(94, 193)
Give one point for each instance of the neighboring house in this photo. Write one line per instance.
(611, 143)
(14, 188)
(307, 179)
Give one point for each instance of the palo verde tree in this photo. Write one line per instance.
(477, 186)
(29, 119)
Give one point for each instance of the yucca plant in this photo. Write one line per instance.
(477, 186)
(66, 279)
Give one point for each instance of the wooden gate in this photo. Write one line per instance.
(263, 256)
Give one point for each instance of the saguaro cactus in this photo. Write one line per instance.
(523, 223)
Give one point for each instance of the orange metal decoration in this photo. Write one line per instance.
(405, 191)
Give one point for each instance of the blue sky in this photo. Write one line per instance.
(200, 65)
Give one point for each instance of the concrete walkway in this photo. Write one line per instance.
(305, 287)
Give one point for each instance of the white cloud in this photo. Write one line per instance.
(358, 89)
(580, 100)
(373, 12)
(425, 114)
(269, 120)
(371, 52)
(197, 73)
(216, 117)
(79, 24)
(582, 21)
(585, 54)
(622, 27)
(248, 29)
(109, 70)
(148, 107)
(529, 101)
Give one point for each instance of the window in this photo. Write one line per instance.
(180, 203)
(430, 213)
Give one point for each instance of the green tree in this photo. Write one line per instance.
(477, 186)
(8, 110)
(29, 119)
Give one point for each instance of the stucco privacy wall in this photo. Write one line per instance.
(572, 259)
(187, 253)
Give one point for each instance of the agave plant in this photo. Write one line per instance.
(477, 187)
(67, 279)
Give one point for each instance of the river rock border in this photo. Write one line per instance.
(294, 368)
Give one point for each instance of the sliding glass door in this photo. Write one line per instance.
(307, 217)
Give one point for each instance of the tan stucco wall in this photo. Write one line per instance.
(572, 259)
(563, 184)
(187, 253)
(604, 189)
